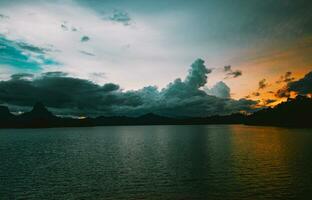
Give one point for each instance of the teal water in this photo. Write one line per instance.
(156, 162)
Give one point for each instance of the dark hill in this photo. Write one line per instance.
(292, 113)
(5, 113)
(39, 112)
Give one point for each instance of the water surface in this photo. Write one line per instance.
(156, 162)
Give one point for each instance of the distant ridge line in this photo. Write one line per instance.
(292, 113)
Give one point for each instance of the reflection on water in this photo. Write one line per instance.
(156, 162)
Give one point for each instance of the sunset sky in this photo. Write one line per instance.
(254, 47)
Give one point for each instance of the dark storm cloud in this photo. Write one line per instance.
(58, 91)
(262, 84)
(302, 86)
(231, 73)
(73, 96)
(21, 76)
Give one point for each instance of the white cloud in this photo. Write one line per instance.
(6, 72)
(40, 24)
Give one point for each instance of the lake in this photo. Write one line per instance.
(156, 162)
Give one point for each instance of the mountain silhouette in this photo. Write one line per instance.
(292, 113)
(40, 112)
(5, 113)
(295, 112)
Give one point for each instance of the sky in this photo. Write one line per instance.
(247, 51)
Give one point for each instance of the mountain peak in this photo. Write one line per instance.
(39, 107)
(40, 111)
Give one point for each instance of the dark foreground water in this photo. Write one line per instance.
(156, 162)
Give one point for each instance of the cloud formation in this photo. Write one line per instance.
(231, 73)
(21, 76)
(87, 53)
(269, 101)
(74, 96)
(163, 37)
(262, 84)
(303, 86)
(85, 38)
(19, 54)
(286, 78)
(256, 94)
(2, 16)
(220, 90)
(120, 16)
(282, 93)
(66, 27)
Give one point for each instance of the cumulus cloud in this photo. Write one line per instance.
(220, 90)
(74, 96)
(197, 76)
(231, 73)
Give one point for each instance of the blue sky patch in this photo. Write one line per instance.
(22, 55)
